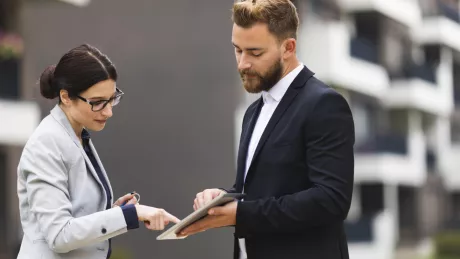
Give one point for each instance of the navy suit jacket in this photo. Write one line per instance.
(300, 182)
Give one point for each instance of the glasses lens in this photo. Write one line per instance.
(98, 106)
(116, 100)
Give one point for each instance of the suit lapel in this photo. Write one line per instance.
(104, 173)
(244, 143)
(92, 169)
(59, 115)
(284, 104)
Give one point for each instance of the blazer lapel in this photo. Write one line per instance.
(98, 160)
(93, 172)
(286, 101)
(244, 143)
(59, 115)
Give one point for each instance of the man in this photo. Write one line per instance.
(295, 160)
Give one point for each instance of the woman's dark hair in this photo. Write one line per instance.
(78, 70)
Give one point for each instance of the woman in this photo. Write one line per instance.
(65, 198)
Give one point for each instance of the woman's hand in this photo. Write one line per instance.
(154, 218)
(129, 198)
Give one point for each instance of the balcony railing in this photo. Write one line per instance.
(360, 230)
(412, 70)
(364, 49)
(384, 143)
(424, 71)
(457, 94)
(9, 79)
(452, 224)
(430, 160)
(449, 12)
(455, 125)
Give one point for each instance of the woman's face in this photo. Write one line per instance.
(93, 117)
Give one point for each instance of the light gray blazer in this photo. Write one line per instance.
(62, 204)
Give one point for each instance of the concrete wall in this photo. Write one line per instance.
(173, 133)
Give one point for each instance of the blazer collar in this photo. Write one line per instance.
(59, 115)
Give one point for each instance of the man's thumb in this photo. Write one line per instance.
(216, 211)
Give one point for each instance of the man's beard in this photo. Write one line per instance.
(259, 83)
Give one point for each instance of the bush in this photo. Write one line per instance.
(447, 245)
(120, 253)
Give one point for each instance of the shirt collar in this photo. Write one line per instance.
(277, 92)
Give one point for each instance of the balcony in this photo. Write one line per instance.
(430, 159)
(392, 159)
(382, 232)
(448, 12)
(384, 143)
(442, 28)
(406, 12)
(453, 224)
(360, 230)
(18, 119)
(364, 49)
(417, 87)
(457, 99)
(423, 71)
(78, 3)
(328, 48)
(449, 164)
(9, 79)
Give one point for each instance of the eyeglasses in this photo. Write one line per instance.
(99, 105)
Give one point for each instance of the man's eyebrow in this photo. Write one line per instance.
(249, 49)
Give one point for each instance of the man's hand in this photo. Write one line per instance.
(217, 217)
(205, 197)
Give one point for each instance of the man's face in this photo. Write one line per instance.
(258, 55)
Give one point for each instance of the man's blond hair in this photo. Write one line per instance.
(280, 16)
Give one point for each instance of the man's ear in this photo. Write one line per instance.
(289, 48)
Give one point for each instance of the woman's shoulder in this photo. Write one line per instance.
(50, 135)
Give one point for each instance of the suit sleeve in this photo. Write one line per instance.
(329, 140)
(46, 179)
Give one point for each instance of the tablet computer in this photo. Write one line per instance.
(220, 200)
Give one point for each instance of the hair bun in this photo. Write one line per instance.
(47, 87)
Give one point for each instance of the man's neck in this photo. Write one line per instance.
(289, 66)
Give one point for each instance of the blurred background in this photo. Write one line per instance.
(176, 132)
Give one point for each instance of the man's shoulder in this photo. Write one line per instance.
(317, 97)
(316, 90)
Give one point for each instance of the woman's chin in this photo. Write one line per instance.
(96, 127)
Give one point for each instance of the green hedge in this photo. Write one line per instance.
(447, 245)
(121, 253)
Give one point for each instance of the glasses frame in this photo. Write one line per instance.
(119, 93)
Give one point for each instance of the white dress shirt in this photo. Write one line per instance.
(271, 100)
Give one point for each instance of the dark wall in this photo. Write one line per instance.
(173, 133)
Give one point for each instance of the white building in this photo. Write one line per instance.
(397, 62)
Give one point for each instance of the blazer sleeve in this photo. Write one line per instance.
(329, 139)
(46, 178)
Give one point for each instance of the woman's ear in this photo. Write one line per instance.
(65, 98)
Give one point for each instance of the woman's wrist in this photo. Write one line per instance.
(138, 210)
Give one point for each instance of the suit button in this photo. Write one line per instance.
(103, 230)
